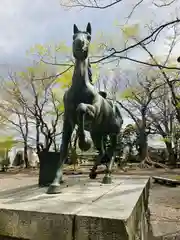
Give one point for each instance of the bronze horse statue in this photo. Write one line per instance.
(90, 110)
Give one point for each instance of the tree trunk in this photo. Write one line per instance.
(48, 142)
(143, 136)
(142, 143)
(176, 149)
(37, 135)
(26, 155)
(171, 155)
(55, 145)
(143, 150)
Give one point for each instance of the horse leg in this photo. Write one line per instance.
(66, 136)
(112, 155)
(82, 110)
(99, 144)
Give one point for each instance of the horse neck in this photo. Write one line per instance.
(80, 76)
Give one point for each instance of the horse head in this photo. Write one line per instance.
(81, 42)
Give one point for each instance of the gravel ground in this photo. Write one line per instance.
(164, 202)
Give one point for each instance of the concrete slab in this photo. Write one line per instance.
(114, 215)
(86, 209)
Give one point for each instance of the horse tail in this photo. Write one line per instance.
(83, 142)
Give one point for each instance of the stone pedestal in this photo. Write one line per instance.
(86, 209)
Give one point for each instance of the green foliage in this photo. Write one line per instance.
(130, 31)
(129, 93)
(60, 107)
(65, 79)
(62, 48)
(3, 120)
(38, 48)
(7, 142)
(95, 72)
(35, 71)
(116, 23)
(178, 105)
(99, 44)
(58, 97)
(166, 139)
(130, 129)
(171, 65)
(50, 53)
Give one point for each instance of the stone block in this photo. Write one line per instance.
(119, 214)
(35, 225)
(86, 209)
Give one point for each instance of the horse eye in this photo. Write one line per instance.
(89, 37)
(74, 37)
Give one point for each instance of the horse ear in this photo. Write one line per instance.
(88, 28)
(75, 29)
(103, 94)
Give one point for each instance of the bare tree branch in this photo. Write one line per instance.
(133, 9)
(150, 38)
(117, 54)
(164, 4)
(93, 4)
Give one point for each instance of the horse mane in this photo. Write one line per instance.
(90, 72)
(102, 93)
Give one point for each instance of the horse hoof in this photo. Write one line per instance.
(54, 189)
(107, 180)
(92, 175)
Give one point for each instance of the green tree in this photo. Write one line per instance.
(35, 103)
(6, 143)
(14, 113)
(162, 115)
(135, 101)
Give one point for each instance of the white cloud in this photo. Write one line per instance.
(24, 23)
